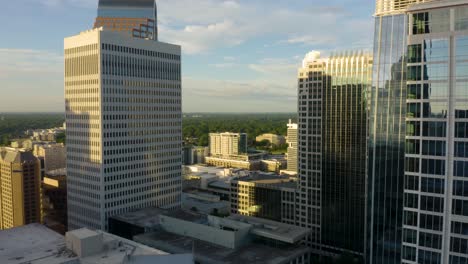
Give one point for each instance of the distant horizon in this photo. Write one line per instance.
(252, 112)
(237, 56)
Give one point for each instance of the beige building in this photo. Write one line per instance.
(226, 144)
(243, 162)
(292, 146)
(392, 7)
(265, 196)
(19, 188)
(53, 154)
(272, 138)
(273, 165)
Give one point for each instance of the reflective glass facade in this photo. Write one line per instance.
(435, 201)
(136, 17)
(386, 144)
(332, 151)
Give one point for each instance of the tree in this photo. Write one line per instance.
(60, 138)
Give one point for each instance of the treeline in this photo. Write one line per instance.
(13, 125)
(196, 127)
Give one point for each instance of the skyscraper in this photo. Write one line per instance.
(332, 134)
(137, 18)
(292, 146)
(435, 216)
(123, 115)
(20, 185)
(386, 149)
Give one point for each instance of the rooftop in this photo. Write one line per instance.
(432, 4)
(272, 229)
(148, 217)
(211, 253)
(36, 244)
(270, 179)
(57, 172)
(220, 185)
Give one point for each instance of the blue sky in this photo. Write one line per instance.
(238, 56)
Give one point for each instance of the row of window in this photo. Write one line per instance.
(142, 52)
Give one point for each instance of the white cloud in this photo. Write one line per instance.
(223, 65)
(204, 25)
(32, 77)
(311, 40)
(20, 61)
(238, 96)
(276, 67)
(61, 3)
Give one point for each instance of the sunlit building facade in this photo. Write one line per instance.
(292, 146)
(332, 136)
(123, 116)
(20, 187)
(227, 144)
(435, 216)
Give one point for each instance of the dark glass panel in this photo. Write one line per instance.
(414, 53)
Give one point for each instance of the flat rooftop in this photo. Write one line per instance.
(189, 216)
(147, 217)
(220, 185)
(272, 179)
(272, 229)
(211, 253)
(36, 244)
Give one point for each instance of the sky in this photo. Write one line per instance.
(237, 55)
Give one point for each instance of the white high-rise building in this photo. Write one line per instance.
(226, 144)
(123, 116)
(292, 146)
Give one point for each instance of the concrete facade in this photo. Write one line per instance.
(124, 137)
(20, 187)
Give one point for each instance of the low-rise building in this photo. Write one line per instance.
(231, 162)
(24, 143)
(265, 196)
(206, 203)
(36, 244)
(194, 154)
(272, 138)
(52, 156)
(274, 165)
(235, 239)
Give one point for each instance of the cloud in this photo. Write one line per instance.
(62, 3)
(29, 61)
(228, 62)
(273, 89)
(32, 77)
(276, 67)
(223, 65)
(238, 96)
(311, 40)
(201, 26)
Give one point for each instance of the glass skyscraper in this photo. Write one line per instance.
(387, 134)
(332, 136)
(137, 18)
(435, 216)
